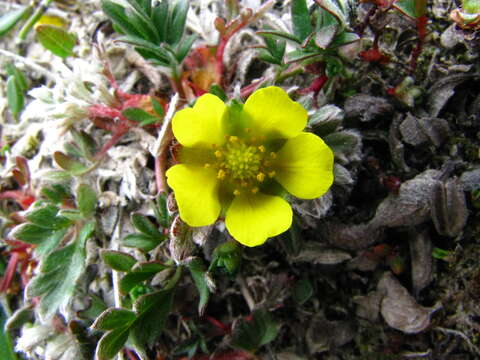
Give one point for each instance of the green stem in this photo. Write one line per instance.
(33, 19)
(174, 280)
(283, 76)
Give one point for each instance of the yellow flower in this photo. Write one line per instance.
(237, 160)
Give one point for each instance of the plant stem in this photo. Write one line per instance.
(33, 19)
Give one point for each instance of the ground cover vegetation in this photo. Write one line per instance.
(225, 179)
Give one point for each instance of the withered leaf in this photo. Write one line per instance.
(412, 205)
(449, 208)
(351, 237)
(421, 259)
(399, 308)
(367, 107)
(317, 253)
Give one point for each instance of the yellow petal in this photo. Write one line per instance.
(196, 192)
(202, 125)
(271, 112)
(304, 166)
(252, 218)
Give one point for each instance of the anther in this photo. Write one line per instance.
(273, 155)
(207, 165)
(233, 139)
(260, 177)
(221, 174)
(271, 174)
(261, 148)
(236, 192)
(218, 154)
(254, 190)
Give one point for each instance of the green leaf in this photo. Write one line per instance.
(141, 241)
(160, 19)
(199, 273)
(281, 35)
(301, 22)
(147, 49)
(344, 38)
(111, 343)
(19, 76)
(15, 97)
(10, 19)
(152, 310)
(301, 55)
(59, 273)
(332, 7)
(326, 29)
(176, 22)
(139, 273)
(302, 291)
(34, 234)
(184, 47)
(56, 193)
(117, 14)
(68, 164)
(251, 334)
(6, 346)
(114, 318)
(56, 39)
(142, 24)
(157, 107)
(161, 210)
(86, 200)
(218, 92)
(46, 216)
(72, 214)
(85, 143)
(118, 260)
(227, 255)
(145, 226)
(412, 8)
(140, 116)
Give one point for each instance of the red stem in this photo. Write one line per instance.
(116, 136)
(10, 272)
(421, 23)
(219, 68)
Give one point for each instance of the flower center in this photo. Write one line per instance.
(241, 161)
(243, 164)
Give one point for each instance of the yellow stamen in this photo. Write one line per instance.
(207, 165)
(218, 154)
(221, 174)
(255, 190)
(236, 192)
(271, 174)
(261, 148)
(233, 139)
(260, 177)
(273, 155)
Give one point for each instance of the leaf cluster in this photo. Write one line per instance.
(47, 227)
(149, 236)
(157, 32)
(317, 35)
(143, 324)
(17, 86)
